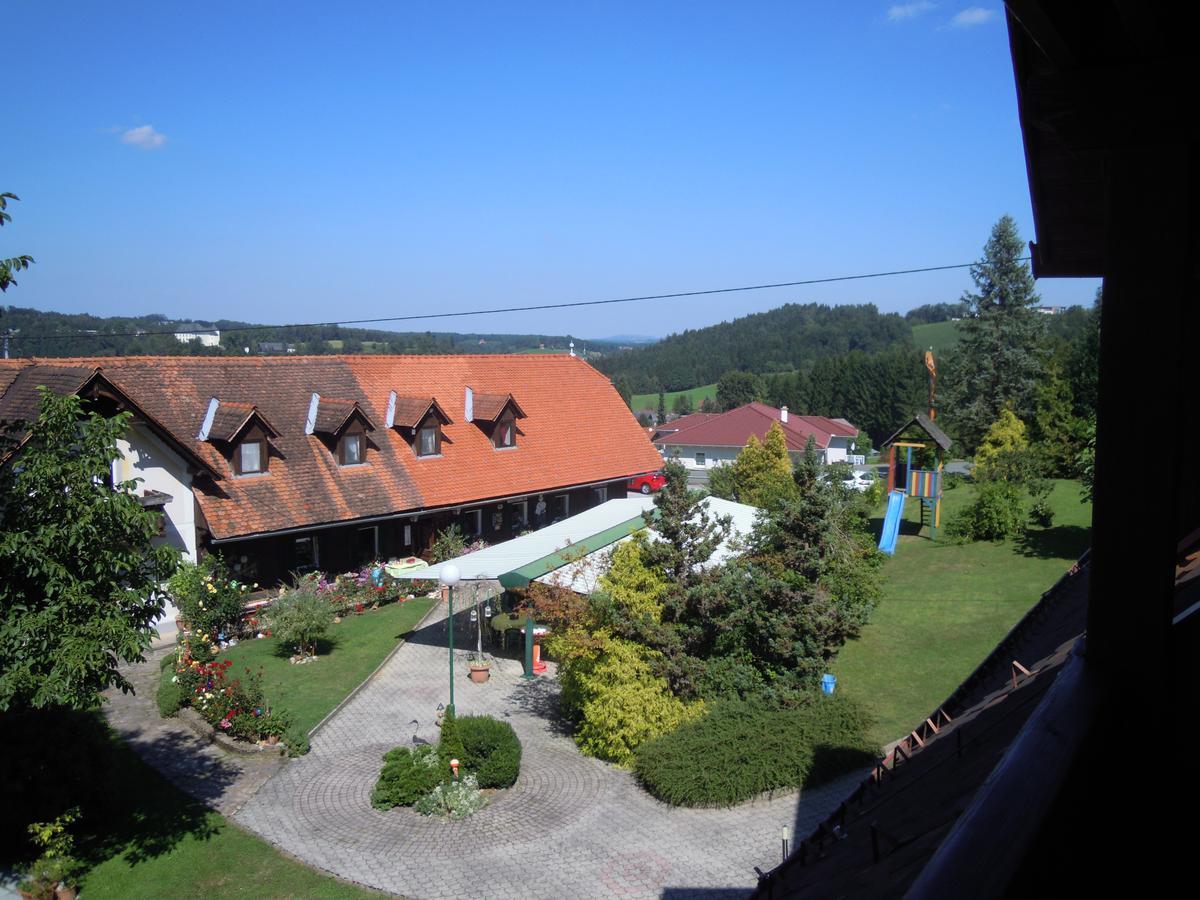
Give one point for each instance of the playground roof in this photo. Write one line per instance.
(923, 422)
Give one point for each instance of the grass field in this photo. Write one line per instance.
(650, 401)
(347, 655)
(946, 606)
(939, 336)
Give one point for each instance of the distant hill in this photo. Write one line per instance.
(37, 333)
(791, 337)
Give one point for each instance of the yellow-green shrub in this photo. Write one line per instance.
(610, 690)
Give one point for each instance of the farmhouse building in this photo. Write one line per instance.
(287, 464)
(707, 441)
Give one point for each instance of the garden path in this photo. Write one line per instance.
(571, 826)
(222, 780)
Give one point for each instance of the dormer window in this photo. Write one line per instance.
(352, 449)
(496, 415)
(505, 433)
(429, 438)
(251, 457)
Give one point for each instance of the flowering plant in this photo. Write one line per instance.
(209, 597)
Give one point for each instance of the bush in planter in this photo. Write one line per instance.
(491, 750)
(456, 799)
(407, 776)
(745, 747)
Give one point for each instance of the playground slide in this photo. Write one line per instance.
(891, 522)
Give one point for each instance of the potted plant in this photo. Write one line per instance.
(53, 874)
(480, 668)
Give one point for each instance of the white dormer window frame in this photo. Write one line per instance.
(352, 449)
(254, 462)
(427, 442)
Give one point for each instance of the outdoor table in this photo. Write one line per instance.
(503, 623)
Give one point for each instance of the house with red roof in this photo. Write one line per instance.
(292, 463)
(707, 441)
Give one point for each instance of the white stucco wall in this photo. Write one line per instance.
(144, 456)
(713, 456)
(838, 449)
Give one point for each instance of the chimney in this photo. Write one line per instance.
(783, 414)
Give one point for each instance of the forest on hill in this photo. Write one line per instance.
(36, 333)
(789, 338)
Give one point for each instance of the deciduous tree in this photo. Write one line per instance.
(79, 594)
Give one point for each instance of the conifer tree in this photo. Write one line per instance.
(662, 408)
(999, 350)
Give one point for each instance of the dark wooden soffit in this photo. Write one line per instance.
(922, 421)
(1092, 80)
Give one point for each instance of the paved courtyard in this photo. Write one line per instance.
(570, 827)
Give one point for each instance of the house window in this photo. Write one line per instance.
(601, 495)
(519, 515)
(307, 558)
(562, 506)
(351, 450)
(429, 440)
(699, 459)
(408, 537)
(366, 545)
(251, 457)
(506, 433)
(472, 523)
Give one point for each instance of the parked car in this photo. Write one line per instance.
(652, 481)
(859, 481)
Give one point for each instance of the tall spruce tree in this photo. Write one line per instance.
(999, 349)
(662, 408)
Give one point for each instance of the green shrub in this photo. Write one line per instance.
(296, 741)
(170, 695)
(456, 799)
(210, 599)
(491, 750)
(996, 513)
(299, 617)
(407, 776)
(450, 745)
(609, 688)
(742, 748)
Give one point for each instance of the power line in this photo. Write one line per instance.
(512, 309)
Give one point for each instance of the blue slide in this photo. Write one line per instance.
(891, 522)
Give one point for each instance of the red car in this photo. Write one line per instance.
(653, 481)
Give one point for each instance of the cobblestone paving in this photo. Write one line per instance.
(570, 827)
(222, 780)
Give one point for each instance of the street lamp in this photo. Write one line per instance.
(449, 576)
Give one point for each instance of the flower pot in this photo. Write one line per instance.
(272, 739)
(480, 674)
(63, 892)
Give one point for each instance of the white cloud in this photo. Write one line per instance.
(972, 16)
(902, 11)
(144, 136)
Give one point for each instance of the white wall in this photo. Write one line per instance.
(144, 456)
(838, 449)
(713, 456)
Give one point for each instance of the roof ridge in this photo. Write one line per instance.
(291, 358)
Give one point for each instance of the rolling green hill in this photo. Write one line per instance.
(938, 335)
(650, 401)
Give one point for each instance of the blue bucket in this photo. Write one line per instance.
(828, 683)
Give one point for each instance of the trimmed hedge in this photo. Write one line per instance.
(742, 748)
(490, 750)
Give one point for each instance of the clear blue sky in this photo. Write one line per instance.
(290, 161)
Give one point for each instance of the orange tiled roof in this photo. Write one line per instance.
(577, 430)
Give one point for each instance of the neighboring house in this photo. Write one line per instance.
(673, 425)
(287, 464)
(716, 440)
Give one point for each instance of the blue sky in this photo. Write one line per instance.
(285, 162)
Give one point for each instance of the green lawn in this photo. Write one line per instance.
(347, 655)
(938, 335)
(946, 606)
(155, 841)
(650, 401)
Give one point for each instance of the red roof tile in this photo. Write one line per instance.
(577, 430)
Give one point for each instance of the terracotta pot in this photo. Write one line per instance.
(480, 674)
(272, 739)
(62, 892)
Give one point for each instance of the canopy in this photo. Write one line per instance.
(517, 562)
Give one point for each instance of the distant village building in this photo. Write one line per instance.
(1050, 310)
(208, 337)
(706, 440)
